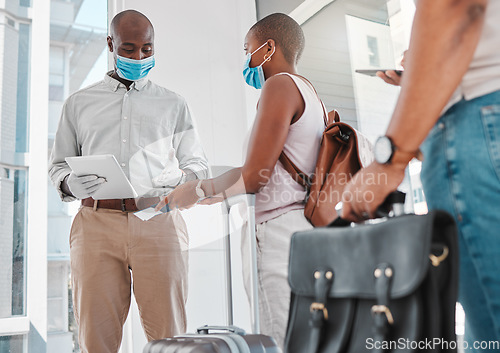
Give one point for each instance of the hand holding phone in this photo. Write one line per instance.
(390, 76)
(373, 73)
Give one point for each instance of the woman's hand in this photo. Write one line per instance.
(184, 196)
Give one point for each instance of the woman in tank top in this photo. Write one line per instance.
(290, 118)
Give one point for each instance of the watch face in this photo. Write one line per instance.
(199, 191)
(383, 150)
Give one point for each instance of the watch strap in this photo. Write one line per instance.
(403, 157)
(400, 156)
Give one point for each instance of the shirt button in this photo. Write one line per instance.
(441, 126)
(125, 118)
(123, 164)
(124, 140)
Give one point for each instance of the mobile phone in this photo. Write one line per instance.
(372, 72)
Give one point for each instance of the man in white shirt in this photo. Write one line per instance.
(150, 132)
(450, 97)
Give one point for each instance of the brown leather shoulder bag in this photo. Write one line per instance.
(338, 160)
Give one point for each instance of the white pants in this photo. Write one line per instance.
(273, 247)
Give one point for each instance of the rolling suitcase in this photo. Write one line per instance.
(230, 339)
(226, 339)
(388, 285)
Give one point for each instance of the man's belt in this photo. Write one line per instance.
(125, 205)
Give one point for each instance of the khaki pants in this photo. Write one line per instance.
(273, 247)
(108, 248)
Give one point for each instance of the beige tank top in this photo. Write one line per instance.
(282, 193)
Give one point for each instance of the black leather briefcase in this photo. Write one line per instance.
(388, 286)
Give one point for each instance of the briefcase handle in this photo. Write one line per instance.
(389, 205)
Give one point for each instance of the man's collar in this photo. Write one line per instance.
(140, 84)
(111, 82)
(114, 84)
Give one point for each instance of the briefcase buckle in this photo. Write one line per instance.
(317, 307)
(382, 309)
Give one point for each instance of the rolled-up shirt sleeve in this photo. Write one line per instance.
(65, 144)
(188, 147)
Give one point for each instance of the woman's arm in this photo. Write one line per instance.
(279, 104)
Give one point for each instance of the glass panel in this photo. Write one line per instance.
(56, 80)
(14, 139)
(11, 344)
(56, 92)
(56, 280)
(57, 64)
(373, 51)
(13, 187)
(57, 295)
(78, 32)
(19, 238)
(56, 315)
(6, 231)
(14, 73)
(23, 88)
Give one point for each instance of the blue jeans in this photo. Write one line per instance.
(461, 174)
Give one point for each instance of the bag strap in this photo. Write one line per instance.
(323, 280)
(327, 118)
(382, 316)
(298, 175)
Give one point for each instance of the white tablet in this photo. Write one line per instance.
(117, 186)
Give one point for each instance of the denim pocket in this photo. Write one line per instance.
(491, 123)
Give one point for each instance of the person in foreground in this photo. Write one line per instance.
(149, 131)
(450, 97)
(289, 118)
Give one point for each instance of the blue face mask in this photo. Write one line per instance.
(133, 70)
(254, 76)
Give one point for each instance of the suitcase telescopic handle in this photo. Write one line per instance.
(249, 201)
(205, 330)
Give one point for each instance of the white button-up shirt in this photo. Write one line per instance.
(148, 129)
